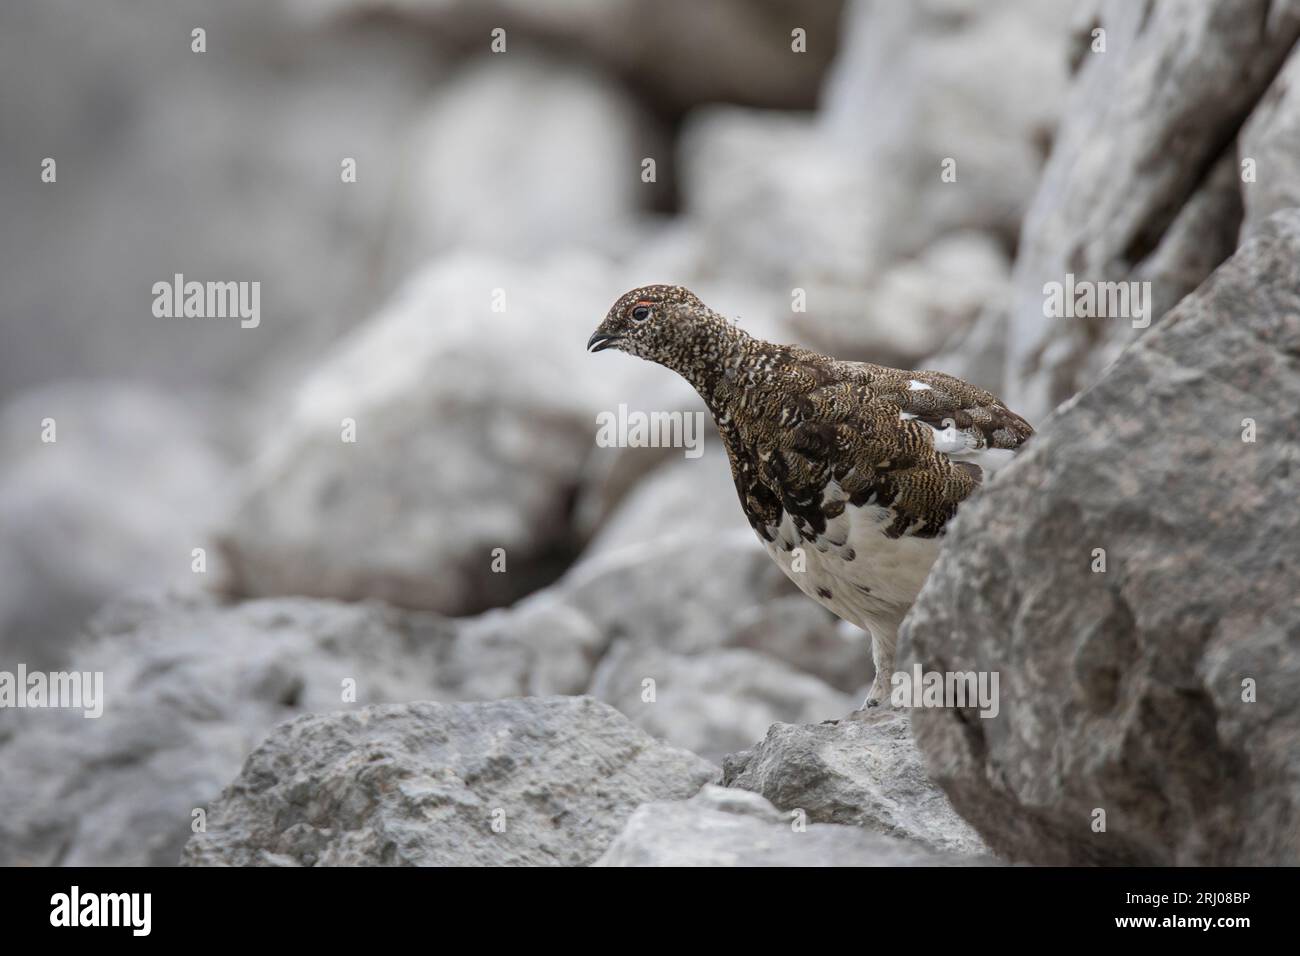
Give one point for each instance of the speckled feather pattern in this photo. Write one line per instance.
(861, 466)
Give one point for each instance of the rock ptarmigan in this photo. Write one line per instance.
(848, 471)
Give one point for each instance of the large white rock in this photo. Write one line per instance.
(863, 770)
(1131, 578)
(1270, 141)
(189, 688)
(724, 827)
(516, 154)
(133, 483)
(917, 83)
(471, 428)
(540, 781)
(676, 53)
(1143, 183)
(712, 702)
(224, 166)
(844, 205)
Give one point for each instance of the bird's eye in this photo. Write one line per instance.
(641, 313)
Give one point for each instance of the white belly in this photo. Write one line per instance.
(853, 569)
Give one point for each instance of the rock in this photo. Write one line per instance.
(978, 353)
(538, 781)
(706, 614)
(699, 615)
(710, 702)
(1271, 141)
(739, 52)
(85, 518)
(190, 687)
(516, 151)
(913, 307)
(722, 827)
(686, 595)
(846, 211)
(1133, 149)
(863, 770)
(471, 427)
(260, 201)
(757, 184)
(684, 499)
(540, 647)
(1158, 691)
(613, 475)
(981, 84)
(806, 636)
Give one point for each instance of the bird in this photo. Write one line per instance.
(849, 472)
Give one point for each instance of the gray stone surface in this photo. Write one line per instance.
(1128, 691)
(192, 685)
(724, 827)
(1271, 141)
(981, 83)
(472, 426)
(146, 189)
(470, 183)
(892, 259)
(422, 784)
(189, 687)
(700, 616)
(711, 702)
(863, 770)
(1135, 146)
(133, 483)
(740, 51)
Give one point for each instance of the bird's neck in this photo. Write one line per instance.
(716, 353)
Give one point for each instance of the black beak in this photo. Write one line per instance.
(600, 341)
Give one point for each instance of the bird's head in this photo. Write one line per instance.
(655, 322)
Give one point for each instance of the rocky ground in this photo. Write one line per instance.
(473, 635)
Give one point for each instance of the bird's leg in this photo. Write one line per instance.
(883, 643)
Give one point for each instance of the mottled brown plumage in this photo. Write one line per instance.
(859, 466)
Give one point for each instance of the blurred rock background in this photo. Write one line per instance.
(442, 302)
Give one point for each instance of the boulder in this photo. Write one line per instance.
(683, 594)
(1131, 578)
(919, 83)
(190, 687)
(724, 827)
(1135, 148)
(809, 638)
(682, 498)
(539, 647)
(739, 52)
(711, 702)
(846, 211)
(913, 307)
(134, 481)
(261, 200)
(193, 684)
(675, 589)
(536, 781)
(862, 771)
(700, 615)
(1270, 141)
(516, 151)
(473, 405)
